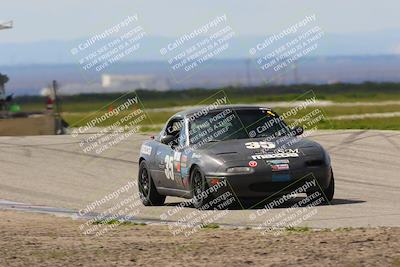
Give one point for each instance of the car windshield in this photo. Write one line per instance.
(230, 124)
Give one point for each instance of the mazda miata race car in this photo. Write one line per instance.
(246, 150)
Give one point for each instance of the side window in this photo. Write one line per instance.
(182, 136)
(174, 127)
(172, 131)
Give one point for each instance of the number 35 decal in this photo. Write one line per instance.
(261, 144)
(169, 167)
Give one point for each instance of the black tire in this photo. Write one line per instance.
(328, 192)
(198, 185)
(147, 190)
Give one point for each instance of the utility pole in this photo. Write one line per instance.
(56, 99)
(59, 126)
(4, 78)
(248, 61)
(295, 73)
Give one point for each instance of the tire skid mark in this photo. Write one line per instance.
(86, 155)
(40, 194)
(365, 161)
(367, 183)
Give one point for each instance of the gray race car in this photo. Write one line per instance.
(249, 150)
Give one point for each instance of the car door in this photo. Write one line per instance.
(167, 159)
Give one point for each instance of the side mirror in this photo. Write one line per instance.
(298, 130)
(166, 139)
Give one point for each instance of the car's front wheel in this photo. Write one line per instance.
(147, 190)
(198, 188)
(328, 192)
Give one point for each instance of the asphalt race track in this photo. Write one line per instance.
(54, 171)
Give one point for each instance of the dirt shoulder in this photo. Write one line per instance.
(28, 239)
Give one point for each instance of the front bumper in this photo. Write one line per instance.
(264, 182)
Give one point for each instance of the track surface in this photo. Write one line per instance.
(54, 171)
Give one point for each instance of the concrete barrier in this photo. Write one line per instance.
(39, 124)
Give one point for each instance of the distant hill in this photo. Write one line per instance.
(350, 58)
(29, 79)
(58, 52)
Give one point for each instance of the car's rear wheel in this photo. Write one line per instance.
(198, 188)
(147, 190)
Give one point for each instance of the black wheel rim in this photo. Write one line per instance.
(144, 183)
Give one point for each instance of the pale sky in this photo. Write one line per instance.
(38, 20)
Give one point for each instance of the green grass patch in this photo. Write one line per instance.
(245, 98)
(210, 226)
(301, 229)
(392, 123)
(343, 229)
(119, 222)
(79, 109)
(365, 124)
(340, 92)
(396, 262)
(50, 254)
(332, 111)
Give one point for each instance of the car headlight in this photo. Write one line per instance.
(239, 170)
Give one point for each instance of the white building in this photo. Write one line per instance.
(133, 82)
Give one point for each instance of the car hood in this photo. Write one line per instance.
(235, 149)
